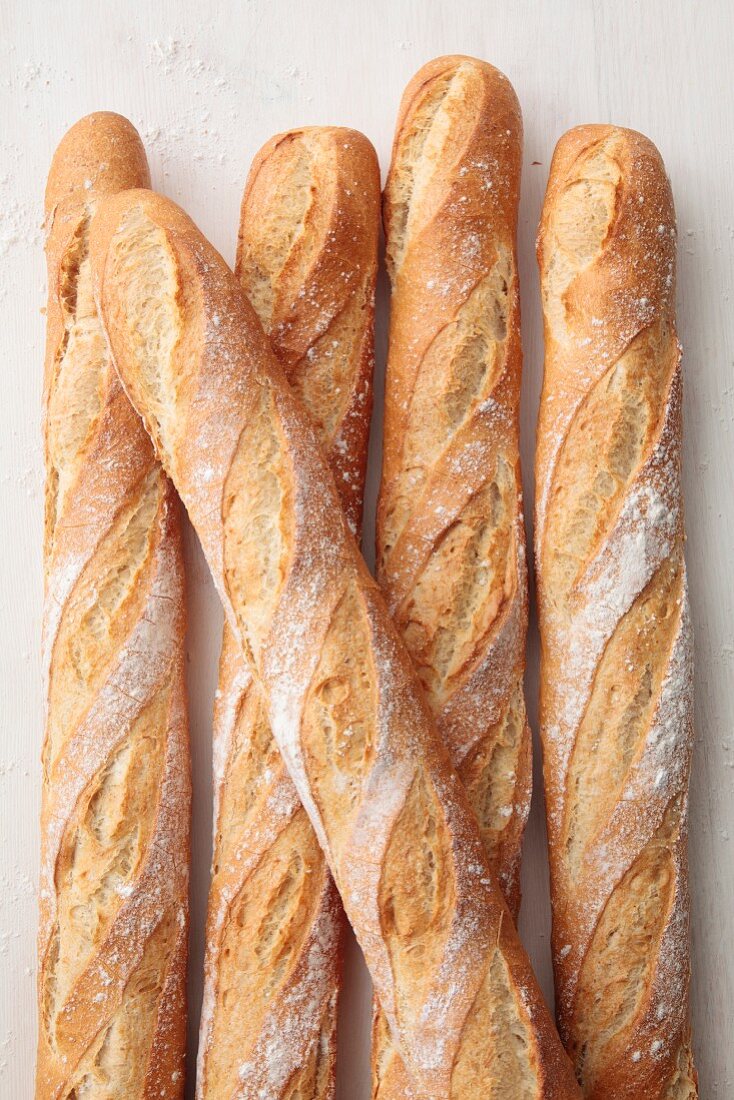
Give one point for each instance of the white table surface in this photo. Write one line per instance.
(206, 83)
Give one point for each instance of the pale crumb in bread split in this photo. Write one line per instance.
(153, 293)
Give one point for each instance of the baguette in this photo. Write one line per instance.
(450, 537)
(307, 260)
(343, 702)
(115, 810)
(616, 648)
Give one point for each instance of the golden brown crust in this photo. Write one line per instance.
(114, 830)
(450, 542)
(100, 155)
(343, 701)
(616, 671)
(313, 289)
(307, 260)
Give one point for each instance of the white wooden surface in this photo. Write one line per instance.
(207, 82)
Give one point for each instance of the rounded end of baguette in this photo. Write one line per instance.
(450, 62)
(309, 225)
(102, 153)
(352, 141)
(641, 183)
(503, 95)
(307, 261)
(595, 131)
(458, 135)
(282, 175)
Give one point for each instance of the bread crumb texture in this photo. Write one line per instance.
(149, 310)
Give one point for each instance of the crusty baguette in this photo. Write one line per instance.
(343, 702)
(450, 540)
(116, 790)
(616, 676)
(307, 260)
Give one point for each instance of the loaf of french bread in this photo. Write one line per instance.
(307, 261)
(451, 542)
(116, 792)
(616, 672)
(343, 702)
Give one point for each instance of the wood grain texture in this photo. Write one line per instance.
(206, 89)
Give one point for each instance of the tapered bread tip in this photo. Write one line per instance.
(101, 153)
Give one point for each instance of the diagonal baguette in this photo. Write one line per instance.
(450, 539)
(343, 702)
(307, 260)
(616, 672)
(115, 818)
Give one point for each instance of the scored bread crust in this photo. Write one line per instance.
(313, 290)
(307, 261)
(113, 926)
(343, 702)
(450, 535)
(616, 647)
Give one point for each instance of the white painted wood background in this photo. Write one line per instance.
(206, 83)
